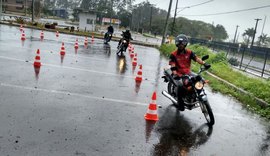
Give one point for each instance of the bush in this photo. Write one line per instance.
(233, 61)
(19, 20)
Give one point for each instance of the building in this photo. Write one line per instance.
(62, 13)
(87, 20)
(17, 6)
(114, 22)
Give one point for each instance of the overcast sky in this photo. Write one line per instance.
(245, 19)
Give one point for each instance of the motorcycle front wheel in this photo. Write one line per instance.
(207, 112)
(171, 89)
(120, 49)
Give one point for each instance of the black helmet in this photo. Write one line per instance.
(181, 39)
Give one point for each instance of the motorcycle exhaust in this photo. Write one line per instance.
(166, 94)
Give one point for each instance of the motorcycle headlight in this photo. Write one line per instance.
(199, 85)
(125, 41)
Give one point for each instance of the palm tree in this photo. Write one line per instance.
(262, 39)
(248, 34)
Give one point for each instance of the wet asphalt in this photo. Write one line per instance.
(87, 103)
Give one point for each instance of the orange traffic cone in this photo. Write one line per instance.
(76, 44)
(57, 34)
(139, 74)
(21, 28)
(151, 113)
(62, 52)
(42, 35)
(37, 62)
(86, 41)
(134, 61)
(23, 36)
(132, 54)
(92, 38)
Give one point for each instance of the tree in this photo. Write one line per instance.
(219, 33)
(247, 35)
(141, 15)
(261, 40)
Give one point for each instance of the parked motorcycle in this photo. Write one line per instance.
(194, 95)
(122, 47)
(107, 37)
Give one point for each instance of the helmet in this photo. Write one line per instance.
(127, 31)
(181, 39)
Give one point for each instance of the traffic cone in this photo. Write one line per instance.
(151, 113)
(139, 74)
(21, 28)
(134, 61)
(23, 36)
(132, 54)
(57, 34)
(37, 62)
(76, 44)
(92, 38)
(62, 52)
(86, 41)
(42, 35)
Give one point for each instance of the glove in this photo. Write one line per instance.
(206, 65)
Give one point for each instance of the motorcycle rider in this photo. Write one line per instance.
(127, 36)
(110, 30)
(180, 62)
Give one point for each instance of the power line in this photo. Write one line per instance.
(182, 8)
(229, 12)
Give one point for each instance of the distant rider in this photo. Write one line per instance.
(180, 62)
(127, 36)
(110, 30)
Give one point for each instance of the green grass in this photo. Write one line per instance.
(259, 88)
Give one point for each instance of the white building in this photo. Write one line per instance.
(87, 21)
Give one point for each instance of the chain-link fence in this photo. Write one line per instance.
(255, 60)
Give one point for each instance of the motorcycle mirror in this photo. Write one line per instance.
(205, 57)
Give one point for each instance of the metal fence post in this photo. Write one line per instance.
(242, 57)
(266, 56)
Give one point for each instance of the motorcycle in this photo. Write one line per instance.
(194, 95)
(107, 37)
(122, 47)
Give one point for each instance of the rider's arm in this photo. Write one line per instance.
(173, 64)
(197, 59)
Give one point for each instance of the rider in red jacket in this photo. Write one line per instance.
(180, 61)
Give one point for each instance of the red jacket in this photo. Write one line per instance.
(182, 61)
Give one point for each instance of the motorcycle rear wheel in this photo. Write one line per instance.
(207, 112)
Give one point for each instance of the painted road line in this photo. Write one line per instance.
(73, 68)
(72, 94)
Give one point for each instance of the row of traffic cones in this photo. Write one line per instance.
(151, 113)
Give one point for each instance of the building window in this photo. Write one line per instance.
(89, 21)
(19, 1)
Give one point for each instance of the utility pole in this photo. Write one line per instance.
(1, 3)
(111, 12)
(174, 17)
(150, 25)
(166, 24)
(25, 8)
(257, 19)
(235, 33)
(262, 29)
(33, 11)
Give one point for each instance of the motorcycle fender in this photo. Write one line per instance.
(204, 98)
